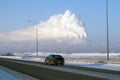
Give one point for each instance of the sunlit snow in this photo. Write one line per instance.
(93, 60)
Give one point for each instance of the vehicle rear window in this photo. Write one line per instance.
(57, 56)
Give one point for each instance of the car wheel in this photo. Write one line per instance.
(46, 62)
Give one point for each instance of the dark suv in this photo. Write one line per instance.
(54, 60)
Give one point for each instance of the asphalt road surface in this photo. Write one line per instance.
(50, 72)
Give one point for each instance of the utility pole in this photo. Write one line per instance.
(36, 34)
(107, 30)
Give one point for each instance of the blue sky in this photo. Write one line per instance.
(15, 13)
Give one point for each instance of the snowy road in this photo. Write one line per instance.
(108, 75)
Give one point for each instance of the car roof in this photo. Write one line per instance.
(55, 55)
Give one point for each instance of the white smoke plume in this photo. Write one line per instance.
(59, 27)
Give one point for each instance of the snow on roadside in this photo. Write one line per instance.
(7, 74)
(75, 59)
(115, 67)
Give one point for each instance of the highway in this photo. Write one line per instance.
(50, 72)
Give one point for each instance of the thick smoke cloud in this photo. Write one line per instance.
(62, 32)
(59, 27)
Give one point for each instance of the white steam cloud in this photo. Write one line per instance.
(59, 27)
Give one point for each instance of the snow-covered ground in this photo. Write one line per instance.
(72, 55)
(7, 74)
(107, 66)
(93, 60)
